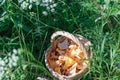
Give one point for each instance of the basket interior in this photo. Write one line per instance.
(65, 57)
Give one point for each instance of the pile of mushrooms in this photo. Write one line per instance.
(66, 57)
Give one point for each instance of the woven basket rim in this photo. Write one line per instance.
(56, 74)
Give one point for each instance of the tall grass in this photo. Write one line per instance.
(29, 31)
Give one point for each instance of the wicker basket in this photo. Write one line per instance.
(83, 43)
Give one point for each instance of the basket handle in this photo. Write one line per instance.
(70, 36)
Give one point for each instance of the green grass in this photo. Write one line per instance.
(29, 31)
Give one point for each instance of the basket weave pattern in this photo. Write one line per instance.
(80, 41)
